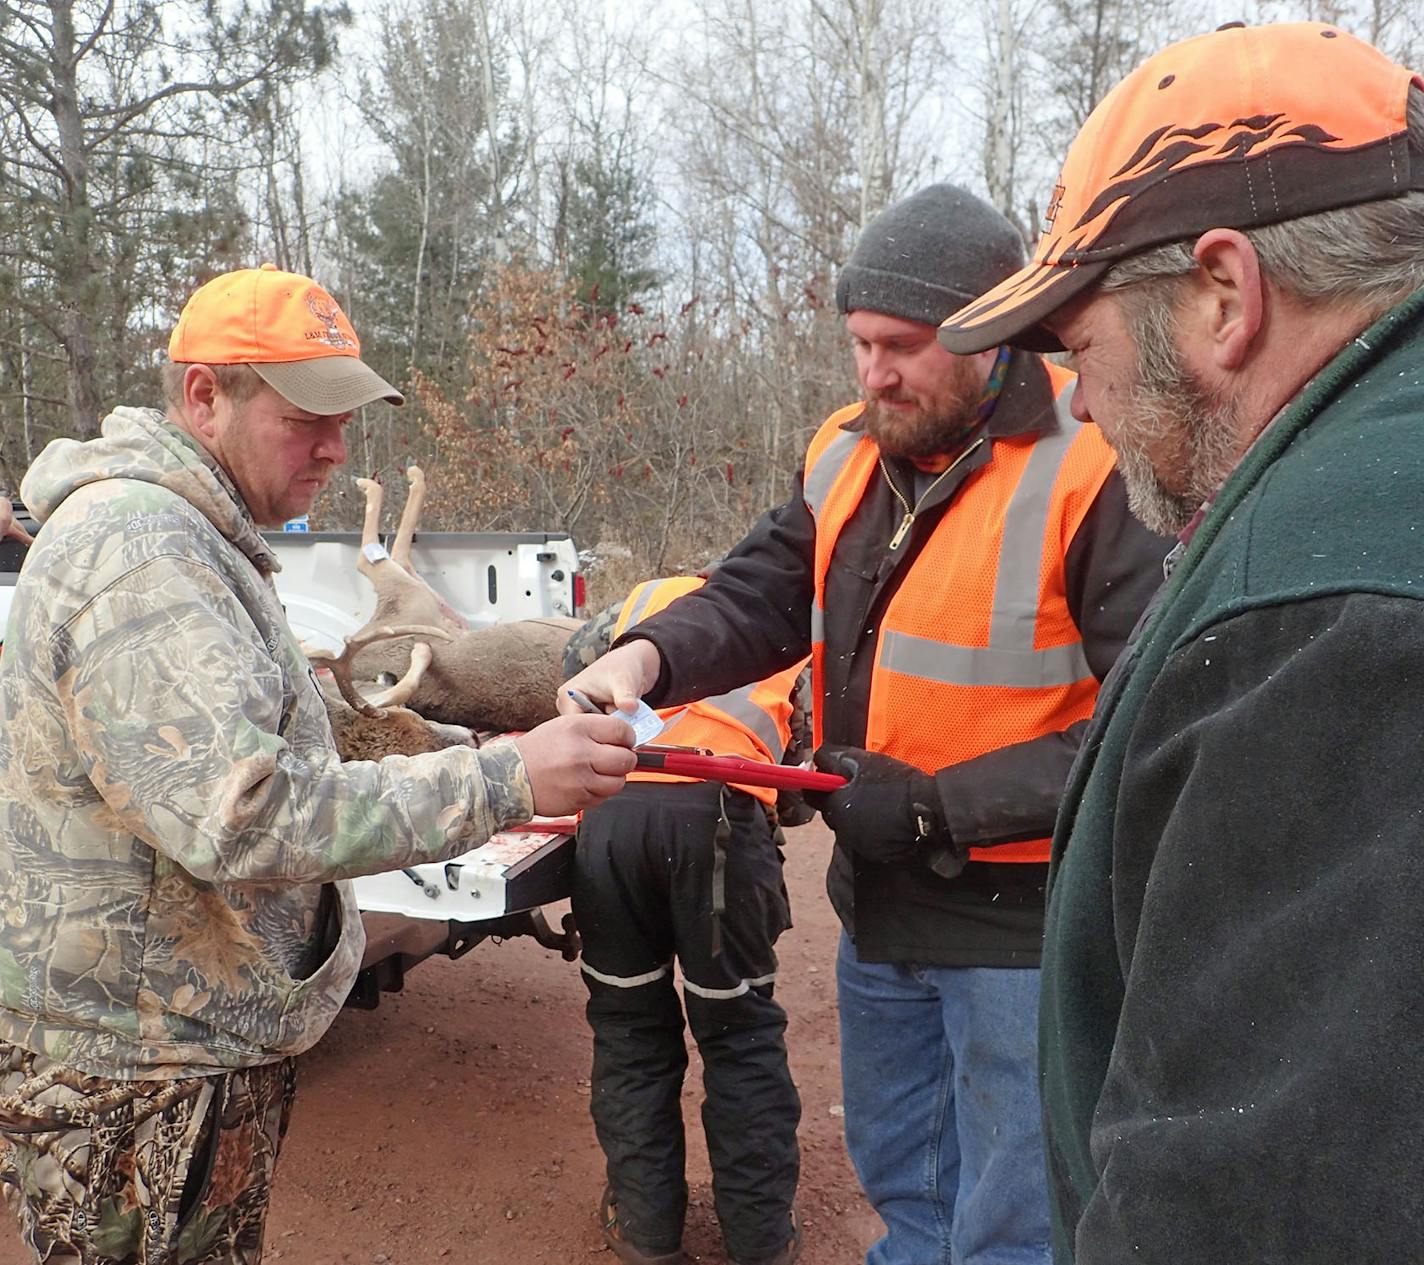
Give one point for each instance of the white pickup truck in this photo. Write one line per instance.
(497, 890)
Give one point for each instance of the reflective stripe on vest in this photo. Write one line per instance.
(753, 720)
(741, 707)
(641, 596)
(820, 478)
(1010, 658)
(977, 648)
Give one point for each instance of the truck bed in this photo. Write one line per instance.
(515, 870)
(487, 577)
(492, 892)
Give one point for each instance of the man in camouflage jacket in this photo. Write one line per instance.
(175, 826)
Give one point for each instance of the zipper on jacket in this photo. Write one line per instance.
(909, 520)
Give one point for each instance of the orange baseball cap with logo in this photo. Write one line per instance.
(289, 330)
(1242, 127)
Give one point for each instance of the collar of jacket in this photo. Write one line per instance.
(216, 495)
(142, 444)
(1025, 404)
(246, 534)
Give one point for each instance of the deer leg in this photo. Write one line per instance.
(373, 556)
(9, 528)
(405, 536)
(371, 523)
(409, 519)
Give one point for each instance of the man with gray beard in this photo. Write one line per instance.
(959, 561)
(1231, 1020)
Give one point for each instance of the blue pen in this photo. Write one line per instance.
(585, 703)
(644, 722)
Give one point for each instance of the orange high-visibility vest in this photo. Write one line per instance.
(754, 721)
(977, 648)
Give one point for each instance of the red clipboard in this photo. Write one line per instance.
(735, 768)
(708, 768)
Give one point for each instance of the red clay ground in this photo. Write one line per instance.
(450, 1126)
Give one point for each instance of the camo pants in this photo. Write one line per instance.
(108, 1172)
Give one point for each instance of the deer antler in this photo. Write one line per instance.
(410, 517)
(403, 690)
(340, 665)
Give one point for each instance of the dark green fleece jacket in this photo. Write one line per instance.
(1233, 985)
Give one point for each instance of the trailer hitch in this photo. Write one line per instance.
(567, 942)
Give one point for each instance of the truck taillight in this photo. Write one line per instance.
(580, 592)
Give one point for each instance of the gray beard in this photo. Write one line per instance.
(1210, 443)
(1167, 401)
(1156, 507)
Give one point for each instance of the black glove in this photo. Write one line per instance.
(887, 811)
(792, 808)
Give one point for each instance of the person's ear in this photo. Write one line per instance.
(1230, 297)
(200, 395)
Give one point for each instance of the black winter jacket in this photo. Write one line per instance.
(753, 617)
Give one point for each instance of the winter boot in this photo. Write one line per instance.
(788, 1254)
(627, 1252)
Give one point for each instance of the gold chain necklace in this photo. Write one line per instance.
(909, 520)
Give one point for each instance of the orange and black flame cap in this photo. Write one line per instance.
(1242, 127)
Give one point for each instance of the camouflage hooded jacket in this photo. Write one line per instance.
(173, 817)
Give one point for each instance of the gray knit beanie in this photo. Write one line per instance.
(929, 255)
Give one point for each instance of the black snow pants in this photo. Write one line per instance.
(649, 864)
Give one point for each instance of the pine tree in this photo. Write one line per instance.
(120, 185)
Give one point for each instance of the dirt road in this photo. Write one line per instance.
(451, 1125)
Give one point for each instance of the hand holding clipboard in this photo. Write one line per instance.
(722, 768)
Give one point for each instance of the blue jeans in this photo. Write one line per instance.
(940, 1072)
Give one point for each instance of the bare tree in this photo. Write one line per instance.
(531, 32)
(602, 197)
(101, 102)
(795, 127)
(1005, 90)
(285, 221)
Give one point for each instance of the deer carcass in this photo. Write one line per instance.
(373, 728)
(498, 678)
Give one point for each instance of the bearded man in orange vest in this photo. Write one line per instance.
(959, 560)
